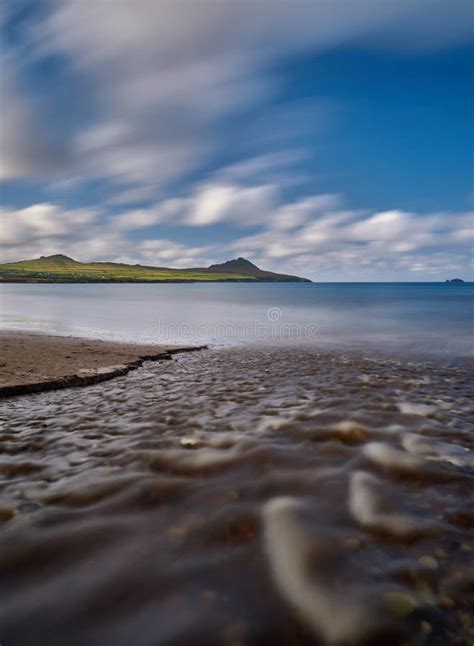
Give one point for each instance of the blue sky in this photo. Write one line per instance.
(333, 139)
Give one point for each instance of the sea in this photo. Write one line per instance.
(435, 318)
(308, 480)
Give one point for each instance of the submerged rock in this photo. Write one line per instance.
(190, 442)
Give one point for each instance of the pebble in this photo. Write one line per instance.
(209, 595)
(7, 512)
(399, 603)
(190, 442)
(28, 507)
(466, 620)
(447, 602)
(428, 561)
(352, 543)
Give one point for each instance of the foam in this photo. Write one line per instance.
(365, 506)
(432, 449)
(412, 408)
(391, 458)
(182, 460)
(336, 617)
(348, 427)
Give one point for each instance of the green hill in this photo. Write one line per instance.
(60, 268)
(246, 268)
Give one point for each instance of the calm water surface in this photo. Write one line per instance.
(431, 317)
(286, 493)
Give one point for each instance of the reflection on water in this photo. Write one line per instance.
(434, 318)
(239, 497)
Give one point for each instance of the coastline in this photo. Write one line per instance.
(32, 362)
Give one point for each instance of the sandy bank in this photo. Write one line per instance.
(33, 362)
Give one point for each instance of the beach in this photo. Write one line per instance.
(39, 362)
(242, 496)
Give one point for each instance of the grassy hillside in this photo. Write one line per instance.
(60, 268)
(246, 268)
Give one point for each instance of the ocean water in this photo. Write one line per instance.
(242, 497)
(306, 481)
(414, 317)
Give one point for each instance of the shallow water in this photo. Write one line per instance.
(434, 318)
(242, 497)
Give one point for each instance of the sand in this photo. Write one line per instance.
(34, 362)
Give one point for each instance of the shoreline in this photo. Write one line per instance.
(32, 362)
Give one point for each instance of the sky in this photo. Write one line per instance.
(333, 139)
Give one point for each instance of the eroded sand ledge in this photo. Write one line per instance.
(31, 363)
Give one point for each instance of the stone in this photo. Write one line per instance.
(190, 442)
(28, 507)
(428, 562)
(401, 604)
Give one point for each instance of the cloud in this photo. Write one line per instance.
(174, 254)
(317, 230)
(294, 214)
(224, 39)
(84, 234)
(163, 75)
(244, 194)
(320, 239)
(41, 221)
(388, 225)
(133, 195)
(135, 152)
(210, 203)
(331, 243)
(26, 148)
(171, 210)
(282, 168)
(243, 206)
(44, 228)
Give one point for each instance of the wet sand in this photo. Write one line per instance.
(242, 497)
(36, 363)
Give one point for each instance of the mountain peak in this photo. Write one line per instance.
(235, 264)
(243, 261)
(244, 267)
(59, 257)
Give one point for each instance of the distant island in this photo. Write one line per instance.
(455, 281)
(62, 269)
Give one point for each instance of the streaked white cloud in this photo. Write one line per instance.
(26, 147)
(163, 74)
(360, 244)
(325, 241)
(173, 254)
(294, 214)
(39, 222)
(84, 234)
(171, 210)
(210, 203)
(244, 206)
